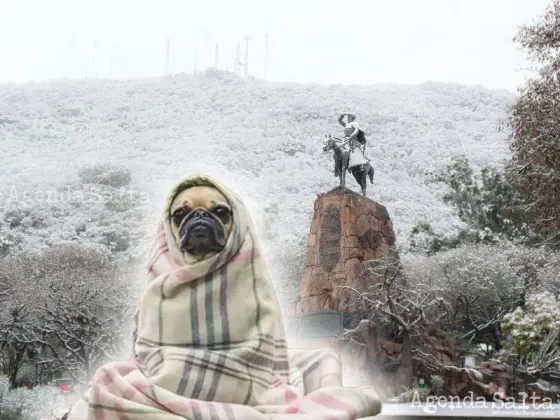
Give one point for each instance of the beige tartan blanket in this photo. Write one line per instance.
(210, 344)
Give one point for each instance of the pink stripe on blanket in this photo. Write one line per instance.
(130, 392)
(161, 242)
(122, 368)
(327, 400)
(175, 264)
(142, 386)
(289, 394)
(291, 410)
(104, 379)
(155, 258)
(119, 406)
(179, 406)
(98, 412)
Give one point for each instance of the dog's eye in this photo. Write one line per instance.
(222, 212)
(178, 215)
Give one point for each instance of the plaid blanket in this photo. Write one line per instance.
(210, 343)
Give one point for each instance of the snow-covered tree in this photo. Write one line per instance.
(101, 209)
(537, 266)
(534, 122)
(478, 285)
(528, 327)
(72, 304)
(21, 404)
(16, 332)
(411, 305)
(486, 202)
(84, 322)
(53, 130)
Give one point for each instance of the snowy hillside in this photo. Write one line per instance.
(263, 140)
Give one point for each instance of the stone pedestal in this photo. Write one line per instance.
(347, 230)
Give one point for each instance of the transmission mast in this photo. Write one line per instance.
(247, 56)
(216, 55)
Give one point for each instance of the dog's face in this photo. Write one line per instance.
(201, 220)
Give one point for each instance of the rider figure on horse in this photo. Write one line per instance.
(355, 138)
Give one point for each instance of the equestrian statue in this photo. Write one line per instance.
(349, 153)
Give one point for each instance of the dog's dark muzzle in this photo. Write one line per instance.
(201, 231)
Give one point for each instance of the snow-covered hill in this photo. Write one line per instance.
(262, 139)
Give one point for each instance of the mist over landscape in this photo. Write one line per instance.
(263, 139)
(105, 106)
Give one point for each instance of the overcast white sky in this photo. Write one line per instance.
(324, 41)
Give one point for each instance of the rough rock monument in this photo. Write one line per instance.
(347, 230)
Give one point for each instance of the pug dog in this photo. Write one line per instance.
(201, 221)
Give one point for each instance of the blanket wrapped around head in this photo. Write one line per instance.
(210, 343)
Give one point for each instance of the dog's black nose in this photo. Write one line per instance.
(199, 214)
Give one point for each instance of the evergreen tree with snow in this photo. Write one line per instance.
(534, 126)
(486, 202)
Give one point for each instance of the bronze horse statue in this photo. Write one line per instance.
(341, 158)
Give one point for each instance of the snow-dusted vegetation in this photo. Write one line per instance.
(85, 167)
(262, 139)
(21, 403)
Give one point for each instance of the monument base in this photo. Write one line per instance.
(347, 230)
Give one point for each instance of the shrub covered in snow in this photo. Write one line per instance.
(24, 404)
(528, 327)
(106, 174)
(69, 310)
(38, 219)
(478, 285)
(262, 139)
(486, 202)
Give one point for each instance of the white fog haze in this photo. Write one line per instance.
(432, 269)
(365, 42)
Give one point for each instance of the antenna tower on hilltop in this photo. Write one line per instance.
(246, 56)
(216, 53)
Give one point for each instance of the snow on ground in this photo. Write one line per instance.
(262, 139)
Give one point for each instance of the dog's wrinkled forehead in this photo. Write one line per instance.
(181, 195)
(197, 196)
